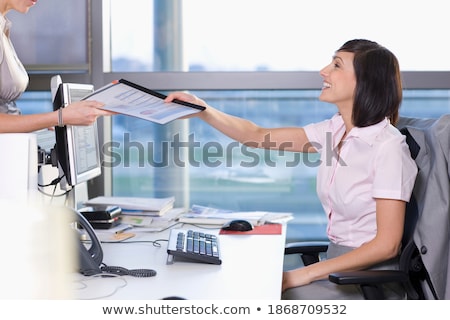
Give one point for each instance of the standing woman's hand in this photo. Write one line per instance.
(83, 112)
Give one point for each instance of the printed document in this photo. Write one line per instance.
(128, 98)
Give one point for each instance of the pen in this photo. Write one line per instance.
(124, 229)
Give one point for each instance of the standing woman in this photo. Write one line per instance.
(14, 81)
(366, 174)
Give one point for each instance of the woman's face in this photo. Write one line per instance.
(339, 80)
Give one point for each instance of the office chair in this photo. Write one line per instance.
(411, 273)
(411, 269)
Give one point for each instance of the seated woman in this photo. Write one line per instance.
(366, 173)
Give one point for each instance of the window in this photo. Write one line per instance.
(267, 35)
(53, 35)
(32, 102)
(283, 37)
(243, 60)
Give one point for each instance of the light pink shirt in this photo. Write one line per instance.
(374, 162)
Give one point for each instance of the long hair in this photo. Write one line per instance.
(378, 92)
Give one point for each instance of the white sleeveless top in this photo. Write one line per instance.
(13, 76)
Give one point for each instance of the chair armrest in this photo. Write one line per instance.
(370, 281)
(309, 250)
(306, 247)
(368, 277)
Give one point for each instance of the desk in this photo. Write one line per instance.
(251, 269)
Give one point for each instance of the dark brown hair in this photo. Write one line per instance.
(378, 92)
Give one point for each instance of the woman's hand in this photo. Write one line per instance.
(187, 97)
(83, 112)
(295, 278)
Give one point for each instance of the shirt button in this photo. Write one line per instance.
(423, 250)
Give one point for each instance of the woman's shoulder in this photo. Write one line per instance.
(393, 132)
(391, 140)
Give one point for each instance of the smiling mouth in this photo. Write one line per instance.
(326, 85)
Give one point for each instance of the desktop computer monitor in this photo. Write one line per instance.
(77, 147)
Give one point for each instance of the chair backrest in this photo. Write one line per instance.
(411, 260)
(412, 212)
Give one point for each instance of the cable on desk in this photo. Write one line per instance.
(86, 287)
(121, 271)
(154, 242)
(201, 226)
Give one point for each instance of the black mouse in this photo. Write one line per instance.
(238, 225)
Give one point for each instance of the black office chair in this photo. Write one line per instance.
(412, 272)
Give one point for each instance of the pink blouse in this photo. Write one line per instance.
(374, 162)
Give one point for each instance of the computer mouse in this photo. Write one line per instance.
(238, 225)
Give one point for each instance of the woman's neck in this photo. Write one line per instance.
(347, 118)
(4, 7)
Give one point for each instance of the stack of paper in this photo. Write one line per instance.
(135, 205)
(152, 223)
(206, 215)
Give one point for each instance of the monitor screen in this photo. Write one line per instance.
(77, 147)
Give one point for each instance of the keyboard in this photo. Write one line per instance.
(194, 246)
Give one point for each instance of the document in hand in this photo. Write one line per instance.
(125, 97)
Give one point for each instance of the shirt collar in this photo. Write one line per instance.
(5, 24)
(368, 134)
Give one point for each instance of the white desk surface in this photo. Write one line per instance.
(251, 269)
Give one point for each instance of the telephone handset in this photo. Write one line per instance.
(91, 258)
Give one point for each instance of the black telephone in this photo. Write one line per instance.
(91, 258)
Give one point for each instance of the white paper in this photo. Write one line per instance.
(121, 98)
(132, 203)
